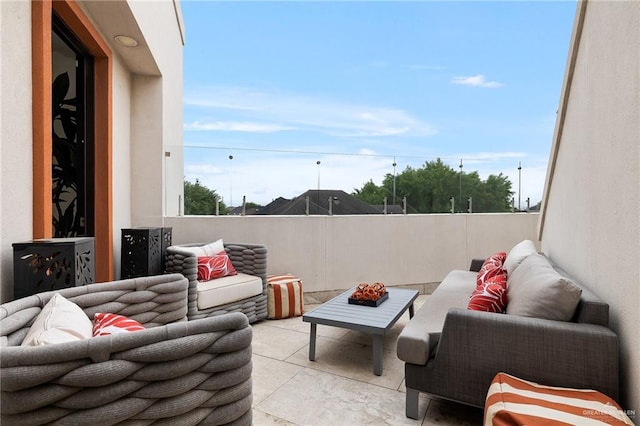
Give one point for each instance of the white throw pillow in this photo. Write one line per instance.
(210, 249)
(517, 254)
(537, 290)
(59, 321)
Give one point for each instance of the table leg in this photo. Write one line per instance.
(377, 354)
(411, 310)
(312, 342)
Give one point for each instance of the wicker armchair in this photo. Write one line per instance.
(173, 372)
(249, 259)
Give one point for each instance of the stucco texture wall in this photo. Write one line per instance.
(16, 180)
(592, 205)
(162, 115)
(337, 252)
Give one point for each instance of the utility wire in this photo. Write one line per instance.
(354, 154)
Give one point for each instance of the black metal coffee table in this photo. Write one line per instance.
(376, 321)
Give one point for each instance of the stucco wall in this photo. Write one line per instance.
(336, 252)
(592, 217)
(16, 181)
(122, 118)
(159, 24)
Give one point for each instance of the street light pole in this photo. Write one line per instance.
(519, 183)
(230, 184)
(318, 208)
(460, 183)
(394, 181)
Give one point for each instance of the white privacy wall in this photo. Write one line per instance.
(591, 221)
(16, 179)
(338, 252)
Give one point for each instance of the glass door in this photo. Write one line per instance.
(73, 148)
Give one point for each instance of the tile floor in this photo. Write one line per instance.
(339, 388)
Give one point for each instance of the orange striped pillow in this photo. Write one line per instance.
(284, 296)
(513, 401)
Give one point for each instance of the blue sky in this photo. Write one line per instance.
(282, 85)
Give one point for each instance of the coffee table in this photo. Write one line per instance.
(376, 321)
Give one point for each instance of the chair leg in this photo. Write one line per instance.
(412, 403)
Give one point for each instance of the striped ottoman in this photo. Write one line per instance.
(284, 296)
(513, 401)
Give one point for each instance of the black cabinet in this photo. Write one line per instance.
(51, 264)
(143, 251)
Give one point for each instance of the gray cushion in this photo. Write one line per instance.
(421, 335)
(517, 254)
(537, 290)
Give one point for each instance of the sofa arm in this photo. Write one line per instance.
(479, 345)
(476, 264)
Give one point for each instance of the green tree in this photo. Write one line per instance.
(370, 193)
(429, 189)
(200, 200)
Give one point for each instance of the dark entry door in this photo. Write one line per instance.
(73, 145)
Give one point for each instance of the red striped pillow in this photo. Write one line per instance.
(513, 401)
(490, 297)
(105, 324)
(491, 267)
(212, 267)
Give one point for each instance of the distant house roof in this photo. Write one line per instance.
(391, 208)
(342, 204)
(237, 211)
(274, 207)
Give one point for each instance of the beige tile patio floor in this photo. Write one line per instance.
(339, 388)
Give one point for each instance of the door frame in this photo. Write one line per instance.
(76, 20)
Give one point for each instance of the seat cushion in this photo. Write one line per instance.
(227, 289)
(421, 335)
(513, 401)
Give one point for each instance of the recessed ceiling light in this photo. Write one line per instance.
(126, 41)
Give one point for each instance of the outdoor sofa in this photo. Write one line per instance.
(454, 353)
(173, 371)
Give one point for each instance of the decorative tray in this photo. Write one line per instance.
(365, 302)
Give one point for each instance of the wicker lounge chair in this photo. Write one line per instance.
(173, 372)
(250, 259)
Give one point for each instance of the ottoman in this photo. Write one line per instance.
(284, 296)
(513, 401)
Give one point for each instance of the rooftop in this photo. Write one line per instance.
(339, 388)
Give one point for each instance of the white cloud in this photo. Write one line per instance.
(236, 126)
(476, 81)
(197, 170)
(263, 176)
(310, 113)
(488, 157)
